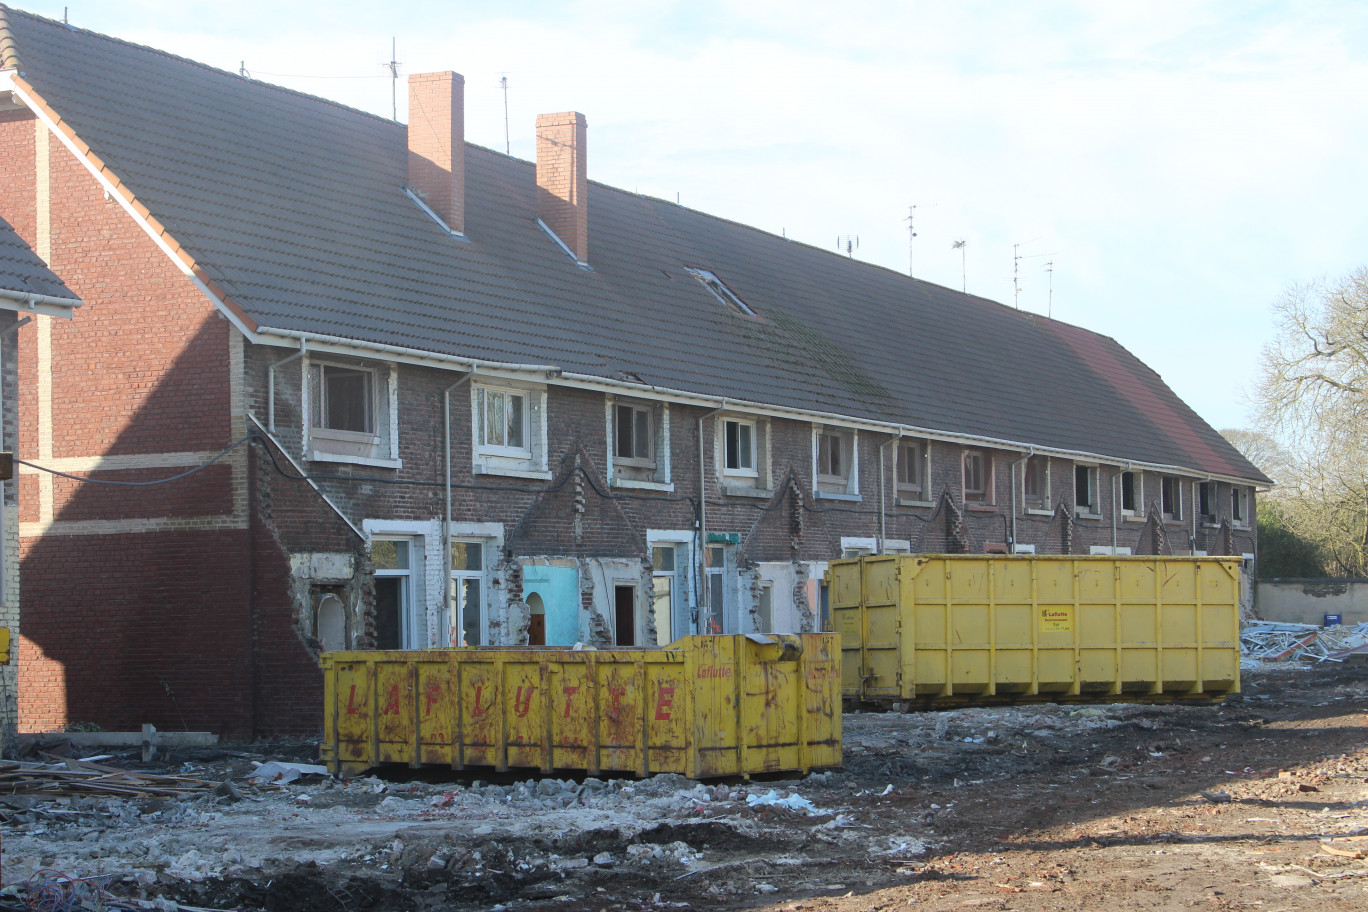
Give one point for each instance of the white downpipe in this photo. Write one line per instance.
(446, 514)
(270, 383)
(883, 499)
(701, 557)
(1012, 479)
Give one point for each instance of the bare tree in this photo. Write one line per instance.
(1262, 449)
(1313, 397)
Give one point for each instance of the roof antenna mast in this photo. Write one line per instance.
(503, 82)
(911, 235)
(960, 245)
(1049, 307)
(848, 243)
(393, 67)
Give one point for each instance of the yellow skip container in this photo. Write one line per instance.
(704, 706)
(975, 629)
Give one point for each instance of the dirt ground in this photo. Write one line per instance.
(1036, 807)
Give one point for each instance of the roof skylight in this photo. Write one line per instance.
(720, 291)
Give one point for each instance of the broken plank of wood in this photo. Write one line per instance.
(1347, 846)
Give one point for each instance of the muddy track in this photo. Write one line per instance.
(1038, 807)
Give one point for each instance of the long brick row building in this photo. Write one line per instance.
(419, 393)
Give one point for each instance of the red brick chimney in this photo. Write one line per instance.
(436, 141)
(563, 180)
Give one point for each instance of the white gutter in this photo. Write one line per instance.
(47, 305)
(321, 342)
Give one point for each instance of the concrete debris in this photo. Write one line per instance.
(1267, 641)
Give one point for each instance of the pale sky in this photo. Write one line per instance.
(1179, 162)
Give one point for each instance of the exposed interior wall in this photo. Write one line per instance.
(1308, 601)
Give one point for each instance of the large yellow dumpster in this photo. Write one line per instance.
(703, 706)
(974, 629)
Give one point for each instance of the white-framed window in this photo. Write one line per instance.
(719, 290)
(672, 571)
(396, 623)
(1132, 494)
(739, 447)
(502, 428)
(743, 454)
(1206, 501)
(977, 470)
(1035, 483)
(718, 616)
(1086, 501)
(913, 471)
(834, 461)
(350, 412)
(469, 613)
(638, 443)
(508, 424)
(1239, 506)
(666, 565)
(1171, 497)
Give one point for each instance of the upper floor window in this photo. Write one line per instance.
(912, 471)
(348, 399)
(503, 420)
(350, 413)
(632, 438)
(743, 454)
(1132, 494)
(1206, 501)
(509, 425)
(1171, 497)
(834, 454)
(638, 434)
(978, 476)
(739, 447)
(1239, 506)
(1085, 490)
(1036, 484)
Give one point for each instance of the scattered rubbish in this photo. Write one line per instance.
(1267, 641)
(277, 773)
(1215, 797)
(794, 802)
(76, 777)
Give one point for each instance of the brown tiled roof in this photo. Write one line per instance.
(23, 271)
(293, 207)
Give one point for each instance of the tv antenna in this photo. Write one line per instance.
(393, 66)
(503, 83)
(911, 234)
(1049, 307)
(960, 245)
(848, 243)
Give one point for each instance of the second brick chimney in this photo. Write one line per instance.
(563, 180)
(436, 144)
